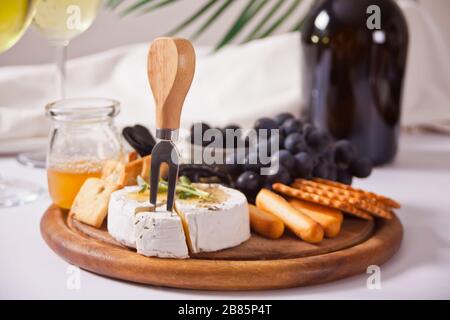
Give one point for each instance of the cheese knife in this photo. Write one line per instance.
(170, 68)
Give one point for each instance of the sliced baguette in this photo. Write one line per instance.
(330, 219)
(301, 225)
(265, 223)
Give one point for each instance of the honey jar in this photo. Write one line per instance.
(82, 138)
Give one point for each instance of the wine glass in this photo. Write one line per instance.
(60, 21)
(15, 17)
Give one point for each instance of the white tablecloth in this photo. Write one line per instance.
(234, 85)
(419, 179)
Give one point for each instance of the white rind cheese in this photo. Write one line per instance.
(216, 225)
(160, 234)
(121, 215)
(202, 224)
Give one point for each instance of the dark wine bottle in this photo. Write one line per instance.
(354, 59)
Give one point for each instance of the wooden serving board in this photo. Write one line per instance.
(354, 231)
(257, 264)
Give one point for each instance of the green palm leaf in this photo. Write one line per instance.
(161, 4)
(281, 19)
(112, 4)
(136, 6)
(264, 20)
(211, 19)
(194, 17)
(249, 12)
(264, 26)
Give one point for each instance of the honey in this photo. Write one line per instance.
(65, 182)
(145, 196)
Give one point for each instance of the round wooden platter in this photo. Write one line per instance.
(256, 264)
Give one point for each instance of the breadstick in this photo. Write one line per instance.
(265, 223)
(330, 219)
(303, 226)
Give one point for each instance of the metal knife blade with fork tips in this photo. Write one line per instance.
(170, 67)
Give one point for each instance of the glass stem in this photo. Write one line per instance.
(61, 55)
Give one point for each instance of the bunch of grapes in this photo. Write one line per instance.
(304, 151)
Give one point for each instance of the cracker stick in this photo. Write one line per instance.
(342, 192)
(358, 202)
(303, 226)
(265, 223)
(388, 201)
(330, 219)
(333, 203)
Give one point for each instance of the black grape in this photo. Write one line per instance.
(290, 126)
(344, 176)
(318, 140)
(265, 123)
(361, 168)
(280, 174)
(295, 143)
(248, 181)
(252, 162)
(322, 169)
(282, 117)
(344, 153)
(284, 158)
(304, 165)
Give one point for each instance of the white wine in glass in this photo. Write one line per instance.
(62, 20)
(15, 17)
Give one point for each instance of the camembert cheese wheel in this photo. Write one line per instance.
(201, 224)
(217, 223)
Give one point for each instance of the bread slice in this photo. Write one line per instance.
(114, 174)
(145, 173)
(120, 174)
(132, 170)
(131, 156)
(91, 203)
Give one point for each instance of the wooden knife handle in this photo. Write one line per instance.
(170, 68)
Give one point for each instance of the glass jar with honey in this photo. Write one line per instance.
(82, 138)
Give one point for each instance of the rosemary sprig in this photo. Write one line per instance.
(184, 188)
